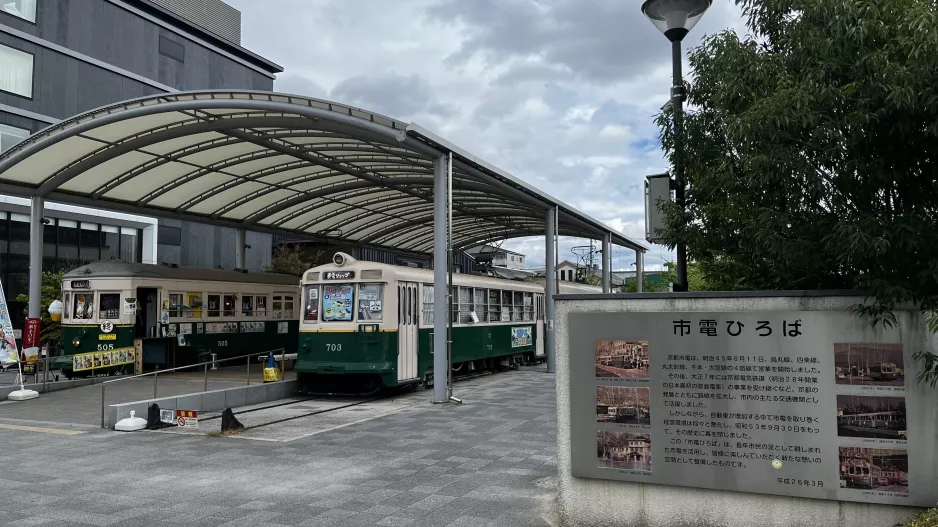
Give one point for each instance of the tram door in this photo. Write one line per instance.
(407, 331)
(539, 327)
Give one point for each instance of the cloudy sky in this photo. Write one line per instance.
(560, 93)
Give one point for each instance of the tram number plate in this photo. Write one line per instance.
(333, 347)
(222, 343)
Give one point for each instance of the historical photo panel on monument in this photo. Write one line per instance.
(623, 451)
(876, 469)
(622, 359)
(871, 416)
(623, 405)
(869, 364)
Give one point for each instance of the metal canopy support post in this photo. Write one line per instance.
(241, 249)
(450, 290)
(440, 309)
(550, 261)
(639, 271)
(35, 256)
(607, 263)
(677, 99)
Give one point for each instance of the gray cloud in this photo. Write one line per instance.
(395, 95)
(600, 41)
(560, 93)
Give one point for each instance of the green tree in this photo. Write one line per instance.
(812, 151)
(51, 291)
(288, 260)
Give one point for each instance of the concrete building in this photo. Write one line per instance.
(498, 256)
(59, 58)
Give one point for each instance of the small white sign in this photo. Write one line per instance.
(107, 326)
(166, 416)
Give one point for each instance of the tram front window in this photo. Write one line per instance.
(109, 306)
(370, 302)
(311, 303)
(338, 302)
(84, 306)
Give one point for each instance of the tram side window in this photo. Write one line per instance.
(214, 306)
(465, 305)
(507, 306)
(288, 306)
(370, 302)
(109, 306)
(495, 305)
(260, 306)
(175, 305)
(528, 307)
(67, 301)
(517, 313)
(247, 305)
(277, 306)
(310, 304)
(427, 304)
(193, 305)
(229, 309)
(480, 296)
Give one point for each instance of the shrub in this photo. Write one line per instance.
(928, 518)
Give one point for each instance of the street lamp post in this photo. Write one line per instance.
(675, 18)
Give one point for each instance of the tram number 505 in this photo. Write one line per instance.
(105, 347)
(333, 347)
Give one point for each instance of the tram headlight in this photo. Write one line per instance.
(76, 342)
(339, 259)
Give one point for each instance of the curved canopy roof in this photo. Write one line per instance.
(282, 164)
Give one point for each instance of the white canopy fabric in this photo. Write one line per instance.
(279, 163)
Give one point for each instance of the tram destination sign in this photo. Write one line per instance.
(80, 284)
(338, 275)
(813, 404)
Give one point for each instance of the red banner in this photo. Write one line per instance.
(31, 339)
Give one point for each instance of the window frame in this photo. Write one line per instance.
(15, 128)
(352, 307)
(195, 313)
(32, 73)
(93, 303)
(381, 298)
(208, 312)
(305, 315)
(100, 314)
(180, 306)
(35, 14)
(258, 312)
(233, 313)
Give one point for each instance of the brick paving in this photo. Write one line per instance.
(489, 462)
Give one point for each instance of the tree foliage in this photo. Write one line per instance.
(51, 291)
(811, 151)
(288, 260)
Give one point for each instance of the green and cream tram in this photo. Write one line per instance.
(121, 316)
(367, 325)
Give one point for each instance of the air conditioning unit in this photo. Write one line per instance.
(657, 190)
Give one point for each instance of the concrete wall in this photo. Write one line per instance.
(594, 503)
(211, 401)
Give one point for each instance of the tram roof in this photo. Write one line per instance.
(283, 164)
(121, 269)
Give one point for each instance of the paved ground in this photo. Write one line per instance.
(488, 462)
(83, 404)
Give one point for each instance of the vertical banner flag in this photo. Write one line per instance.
(8, 352)
(31, 340)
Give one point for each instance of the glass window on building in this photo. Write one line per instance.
(89, 243)
(10, 135)
(68, 243)
(49, 243)
(19, 233)
(111, 242)
(25, 9)
(16, 71)
(129, 244)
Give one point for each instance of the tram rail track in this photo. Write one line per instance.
(461, 378)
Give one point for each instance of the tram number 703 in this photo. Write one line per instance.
(333, 347)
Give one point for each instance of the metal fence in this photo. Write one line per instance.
(205, 367)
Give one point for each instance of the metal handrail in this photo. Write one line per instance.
(205, 365)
